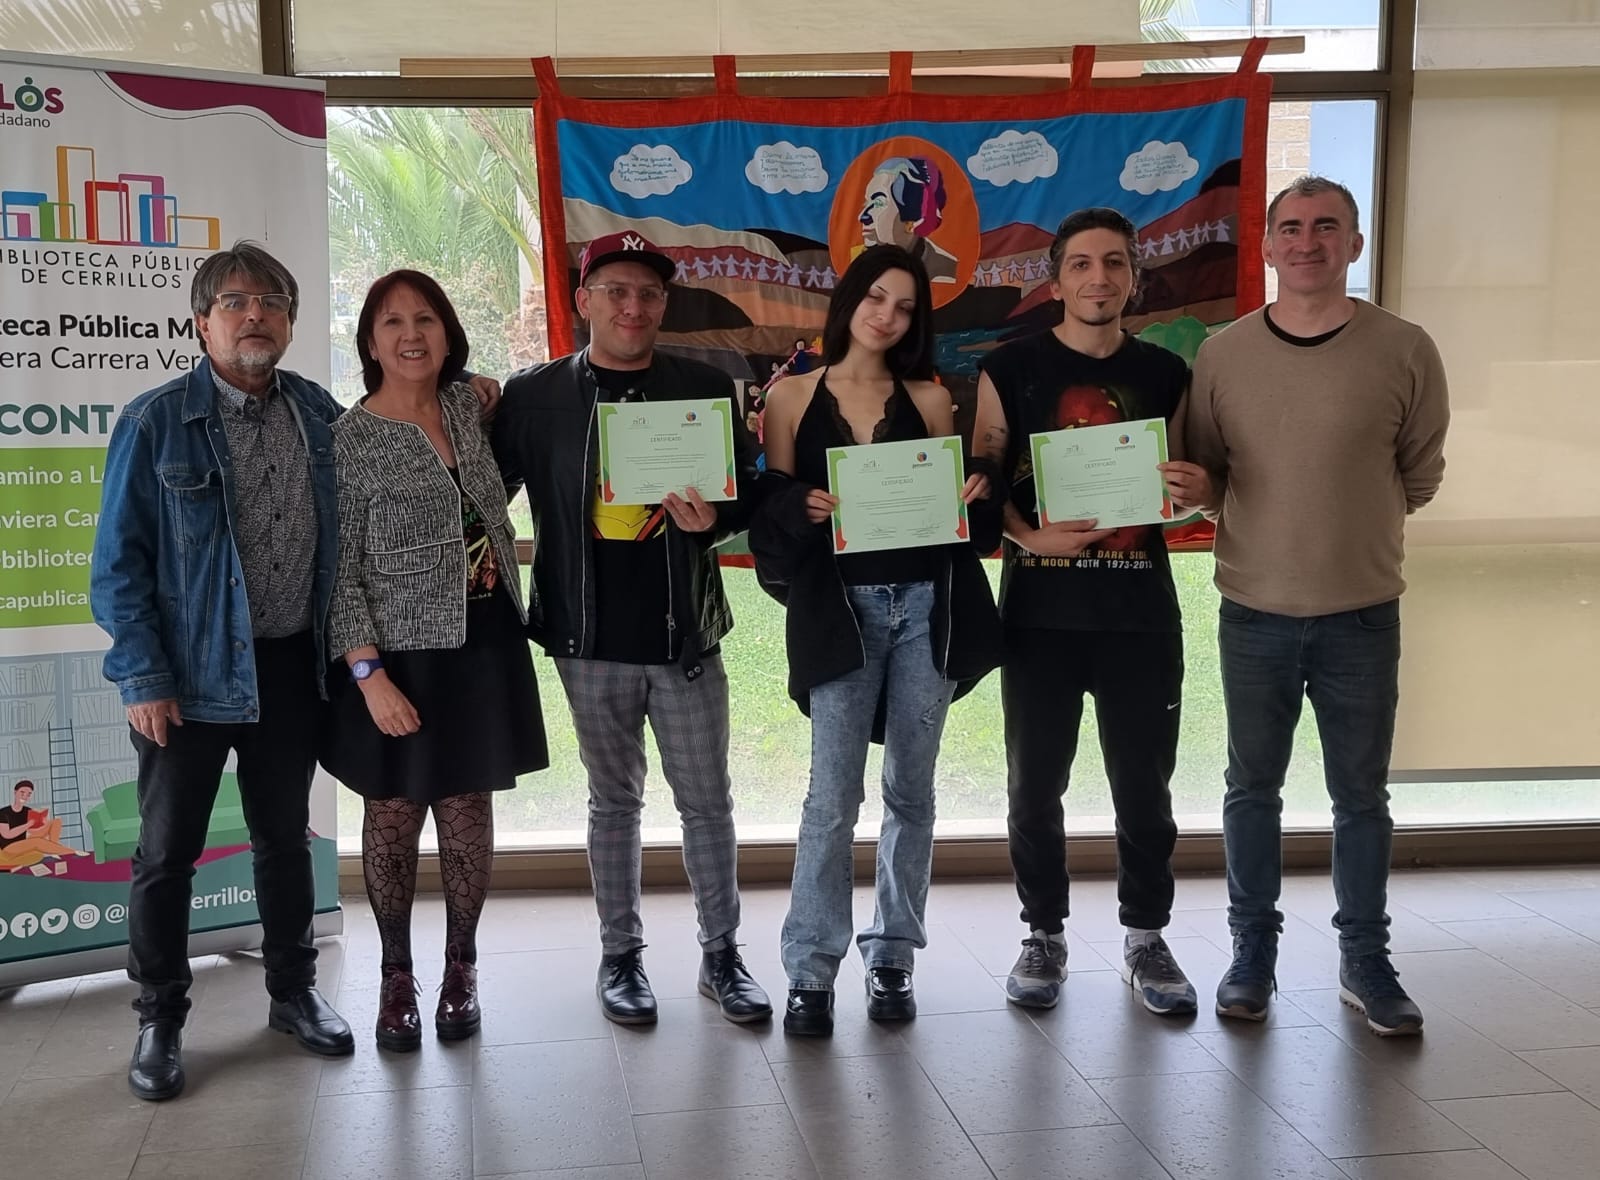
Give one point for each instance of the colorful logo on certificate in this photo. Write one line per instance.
(690, 416)
(1122, 439)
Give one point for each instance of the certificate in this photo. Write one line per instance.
(1102, 473)
(648, 449)
(897, 495)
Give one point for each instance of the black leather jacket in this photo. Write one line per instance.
(546, 440)
(795, 565)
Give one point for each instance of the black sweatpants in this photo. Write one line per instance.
(1136, 679)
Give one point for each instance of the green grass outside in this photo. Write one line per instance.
(770, 755)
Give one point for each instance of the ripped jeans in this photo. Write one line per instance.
(895, 632)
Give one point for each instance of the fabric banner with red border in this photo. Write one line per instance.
(763, 202)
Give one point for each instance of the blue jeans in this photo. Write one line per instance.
(894, 622)
(1349, 665)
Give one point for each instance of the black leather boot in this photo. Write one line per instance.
(809, 1013)
(889, 994)
(724, 978)
(624, 989)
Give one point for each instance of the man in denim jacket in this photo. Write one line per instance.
(213, 566)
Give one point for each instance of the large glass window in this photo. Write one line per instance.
(1336, 139)
(1340, 34)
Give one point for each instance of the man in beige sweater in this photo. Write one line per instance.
(1320, 421)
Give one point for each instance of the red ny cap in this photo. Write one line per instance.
(625, 246)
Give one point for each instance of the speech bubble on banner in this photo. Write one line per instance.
(1158, 167)
(1014, 156)
(783, 167)
(647, 171)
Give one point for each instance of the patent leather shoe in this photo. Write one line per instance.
(156, 1071)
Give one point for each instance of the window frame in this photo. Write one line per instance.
(1391, 87)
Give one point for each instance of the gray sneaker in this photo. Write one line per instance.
(1371, 985)
(1036, 978)
(1156, 977)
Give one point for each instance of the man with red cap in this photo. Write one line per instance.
(629, 603)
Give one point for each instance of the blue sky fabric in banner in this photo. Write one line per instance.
(762, 203)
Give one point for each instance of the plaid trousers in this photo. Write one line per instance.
(610, 703)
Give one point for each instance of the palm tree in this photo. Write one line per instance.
(450, 192)
(1157, 23)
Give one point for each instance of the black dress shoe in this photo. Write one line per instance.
(156, 1071)
(723, 978)
(809, 1013)
(313, 1022)
(889, 994)
(624, 989)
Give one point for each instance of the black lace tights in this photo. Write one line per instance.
(389, 835)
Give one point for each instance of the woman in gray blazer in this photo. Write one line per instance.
(440, 707)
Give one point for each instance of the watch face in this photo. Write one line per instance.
(362, 669)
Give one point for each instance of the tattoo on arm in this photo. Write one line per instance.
(992, 444)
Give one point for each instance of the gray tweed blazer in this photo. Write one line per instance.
(402, 577)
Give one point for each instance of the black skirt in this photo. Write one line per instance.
(479, 708)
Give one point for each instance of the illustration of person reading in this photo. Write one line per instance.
(904, 206)
(29, 837)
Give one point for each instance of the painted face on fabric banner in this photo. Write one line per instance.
(908, 192)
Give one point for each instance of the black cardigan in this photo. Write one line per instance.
(795, 564)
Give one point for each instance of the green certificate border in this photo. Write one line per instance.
(952, 444)
(1038, 442)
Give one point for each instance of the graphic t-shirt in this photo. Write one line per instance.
(483, 565)
(630, 559)
(10, 817)
(1124, 583)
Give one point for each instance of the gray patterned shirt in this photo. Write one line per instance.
(277, 519)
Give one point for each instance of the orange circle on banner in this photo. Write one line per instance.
(864, 212)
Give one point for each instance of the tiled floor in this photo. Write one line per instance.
(1505, 1084)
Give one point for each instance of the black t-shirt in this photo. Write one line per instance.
(630, 559)
(1125, 582)
(1302, 341)
(10, 817)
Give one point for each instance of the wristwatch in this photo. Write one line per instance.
(362, 669)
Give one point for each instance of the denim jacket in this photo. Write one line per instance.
(165, 581)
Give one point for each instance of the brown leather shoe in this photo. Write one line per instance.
(399, 1022)
(458, 1015)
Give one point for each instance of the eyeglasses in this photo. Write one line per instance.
(238, 302)
(620, 293)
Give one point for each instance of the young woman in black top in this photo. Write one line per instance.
(879, 643)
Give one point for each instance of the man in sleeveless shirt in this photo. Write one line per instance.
(1087, 610)
(1321, 420)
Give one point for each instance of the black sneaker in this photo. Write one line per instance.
(889, 994)
(724, 978)
(624, 989)
(1036, 978)
(1371, 985)
(809, 1013)
(1248, 986)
